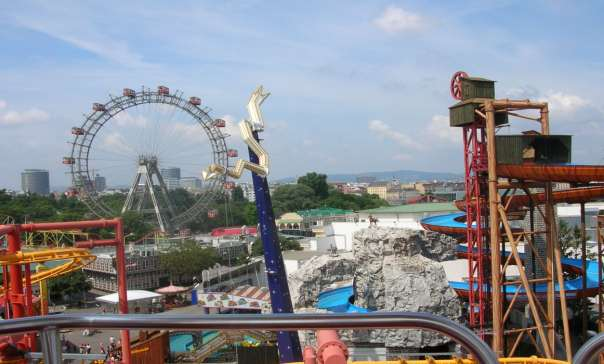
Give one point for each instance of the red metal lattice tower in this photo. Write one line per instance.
(475, 163)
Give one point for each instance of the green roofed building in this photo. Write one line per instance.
(323, 212)
(311, 222)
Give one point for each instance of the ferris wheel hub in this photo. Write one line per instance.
(147, 159)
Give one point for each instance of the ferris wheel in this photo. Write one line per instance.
(152, 144)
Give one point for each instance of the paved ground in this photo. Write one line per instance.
(97, 337)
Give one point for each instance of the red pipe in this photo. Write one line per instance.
(120, 256)
(330, 349)
(309, 355)
(89, 244)
(6, 229)
(85, 224)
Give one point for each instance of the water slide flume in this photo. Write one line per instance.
(455, 224)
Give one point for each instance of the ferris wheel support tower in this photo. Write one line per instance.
(143, 186)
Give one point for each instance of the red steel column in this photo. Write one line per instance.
(120, 256)
(16, 280)
(7, 313)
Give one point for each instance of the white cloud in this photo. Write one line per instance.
(523, 92)
(402, 157)
(395, 20)
(12, 117)
(117, 142)
(232, 126)
(385, 131)
(192, 132)
(126, 119)
(559, 101)
(84, 36)
(307, 142)
(439, 128)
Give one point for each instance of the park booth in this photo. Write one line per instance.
(139, 301)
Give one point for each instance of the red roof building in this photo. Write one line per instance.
(234, 231)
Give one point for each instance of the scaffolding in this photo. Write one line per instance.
(475, 163)
(541, 332)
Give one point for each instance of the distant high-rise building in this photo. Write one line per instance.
(366, 179)
(170, 172)
(171, 176)
(35, 181)
(248, 191)
(100, 183)
(191, 183)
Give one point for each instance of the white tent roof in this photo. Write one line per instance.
(133, 295)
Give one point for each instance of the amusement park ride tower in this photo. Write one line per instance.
(288, 341)
(489, 196)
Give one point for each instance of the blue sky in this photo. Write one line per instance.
(356, 85)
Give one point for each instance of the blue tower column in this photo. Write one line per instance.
(288, 341)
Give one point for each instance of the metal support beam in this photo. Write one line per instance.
(51, 345)
(497, 343)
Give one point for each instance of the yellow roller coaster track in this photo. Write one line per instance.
(76, 259)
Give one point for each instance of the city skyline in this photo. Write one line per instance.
(364, 89)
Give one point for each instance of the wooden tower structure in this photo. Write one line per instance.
(493, 244)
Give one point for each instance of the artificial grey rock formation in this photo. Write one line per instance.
(318, 274)
(393, 273)
(393, 270)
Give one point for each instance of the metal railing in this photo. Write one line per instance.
(48, 326)
(590, 350)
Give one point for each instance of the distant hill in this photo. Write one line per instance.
(402, 175)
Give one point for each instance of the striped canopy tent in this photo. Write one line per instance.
(172, 289)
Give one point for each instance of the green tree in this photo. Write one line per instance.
(293, 197)
(135, 226)
(237, 195)
(284, 244)
(187, 260)
(317, 182)
(68, 286)
(569, 239)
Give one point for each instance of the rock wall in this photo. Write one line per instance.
(317, 274)
(393, 270)
(394, 274)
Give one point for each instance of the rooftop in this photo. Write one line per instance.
(414, 208)
(133, 295)
(378, 184)
(323, 211)
(300, 254)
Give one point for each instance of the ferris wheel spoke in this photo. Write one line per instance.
(168, 122)
(104, 160)
(185, 152)
(115, 166)
(178, 163)
(182, 134)
(114, 152)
